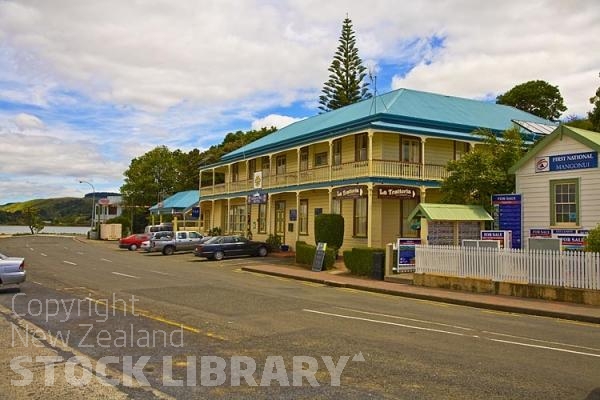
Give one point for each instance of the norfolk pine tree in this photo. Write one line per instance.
(345, 85)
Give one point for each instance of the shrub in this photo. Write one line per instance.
(329, 228)
(360, 260)
(305, 254)
(592, 242)
(216, 231)
(274, 241)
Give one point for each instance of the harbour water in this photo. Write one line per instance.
(72, 230)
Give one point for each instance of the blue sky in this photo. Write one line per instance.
(87, 86)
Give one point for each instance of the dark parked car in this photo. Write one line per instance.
(133, 242)
(219, 247)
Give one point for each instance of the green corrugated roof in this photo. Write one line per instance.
(180, 201)
(450, 212)
(588, 138)
(399, 110)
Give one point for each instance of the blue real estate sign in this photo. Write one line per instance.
(565, 162)
(508, 215)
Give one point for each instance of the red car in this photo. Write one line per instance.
(133, 242)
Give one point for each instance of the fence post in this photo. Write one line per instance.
(389, 259)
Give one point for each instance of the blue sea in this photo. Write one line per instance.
(72, 230)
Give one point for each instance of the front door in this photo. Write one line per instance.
(280, 219)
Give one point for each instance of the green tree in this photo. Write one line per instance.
(577, 122)
(484, 171)
(592, 242)
(345, 85)
(536, 97)
(594, 115)
(150, 178)
(33, 220)
(231, 142)
(161, 172)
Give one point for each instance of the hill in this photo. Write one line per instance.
(58, 211)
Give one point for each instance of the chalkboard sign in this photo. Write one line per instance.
(319, 257)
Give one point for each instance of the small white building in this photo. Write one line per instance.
(109, 207)
(559, 181)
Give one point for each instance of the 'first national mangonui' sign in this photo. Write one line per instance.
(564, 162)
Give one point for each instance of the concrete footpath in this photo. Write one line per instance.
(544, 308)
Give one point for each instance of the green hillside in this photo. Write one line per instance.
(59, 211)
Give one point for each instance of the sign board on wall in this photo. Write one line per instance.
(540, 233)
(258, 198)
(350, 192)
(502, 237)
(397, 192)
(508, 215)
(572, 242)
(257, 181)
(406, 254)
(556, 232)
(566, 162)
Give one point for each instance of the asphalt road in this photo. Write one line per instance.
(179, 316)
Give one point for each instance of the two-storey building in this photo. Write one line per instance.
(372, 162)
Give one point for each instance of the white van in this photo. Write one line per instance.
(167, 226)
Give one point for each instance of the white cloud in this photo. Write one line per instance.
(106, 81)
(157, 55)
(501, 47)
(43, 155)
(25, 121)
(278, 121)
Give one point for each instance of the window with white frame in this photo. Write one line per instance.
(411, 150)
(336, 206)
(460, 149)
(304, 159)
(280, 162)
(303, 218)
(361, 142)
(237, 218)
(265, 165)
(321, 159)
(360, 217)
(262, 218)
(564, 201)
(337, 152)
(235, 172)
(251, 168)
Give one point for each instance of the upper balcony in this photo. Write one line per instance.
(348, 170)
(371, 155)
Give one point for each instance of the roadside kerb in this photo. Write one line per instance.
(491, 302)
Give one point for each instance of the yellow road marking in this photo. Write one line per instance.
(313, 284)
(582, 323)
(501, 313)
(349, 290)
(142, 313)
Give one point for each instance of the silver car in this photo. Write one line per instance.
(12, 270)
(146, 245)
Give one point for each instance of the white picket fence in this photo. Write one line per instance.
(542, 267)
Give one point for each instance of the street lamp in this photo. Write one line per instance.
(93, 202)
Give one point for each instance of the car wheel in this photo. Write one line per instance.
(262, 251)
(219, 255)
(133, 247)
(169, 250)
